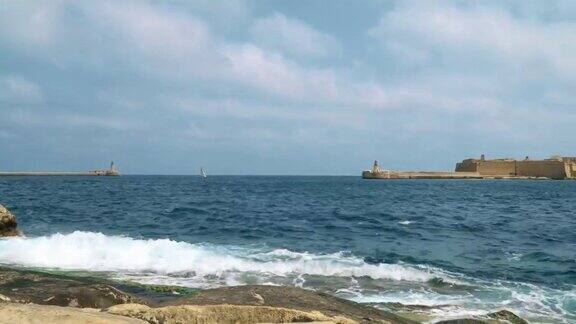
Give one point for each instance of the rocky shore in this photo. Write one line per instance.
(33, 296)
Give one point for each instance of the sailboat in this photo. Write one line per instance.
(203, 173)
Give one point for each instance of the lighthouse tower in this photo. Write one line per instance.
(375, 168)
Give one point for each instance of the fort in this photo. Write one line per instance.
(112, 171)
(555, 167)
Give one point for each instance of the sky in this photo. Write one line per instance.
(283, 87)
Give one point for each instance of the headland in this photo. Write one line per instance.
(555, 167)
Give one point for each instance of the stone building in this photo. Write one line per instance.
(556, 167)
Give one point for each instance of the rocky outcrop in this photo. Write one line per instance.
(240, 304)
(293, 298)
(19, 313)
(222, 314)
(47, 289)
(8, 225)
(505, 315)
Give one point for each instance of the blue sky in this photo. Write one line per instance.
(283, 87)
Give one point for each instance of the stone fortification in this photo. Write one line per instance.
(556, 167)
(553, 168)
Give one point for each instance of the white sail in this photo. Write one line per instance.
(202, 173)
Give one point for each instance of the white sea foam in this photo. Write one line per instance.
(419, 297)
(164, 261)
(99, 252)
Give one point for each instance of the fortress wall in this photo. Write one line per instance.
(497, 168)
(547, 168)
(570, 170)
(467, 166)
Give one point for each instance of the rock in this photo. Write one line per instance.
(507, 316)
(18, 313)
(47, 289)
(292, 298)
(8, 225)
(221, 314)
(463, 321)
(502, 316)
(25, 286)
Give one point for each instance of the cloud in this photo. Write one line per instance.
(477, 34)
(178, 77)
(16, 89)
(294, 37)
(156, 41)
(39, 27)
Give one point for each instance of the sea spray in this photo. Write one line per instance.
(98, 252)
(169, 262)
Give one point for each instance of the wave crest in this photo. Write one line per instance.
(99, 252)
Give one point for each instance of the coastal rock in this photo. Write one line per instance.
(463, 321)
(503, 316)
(221, 314)
(292, 298)
(47, 289)
(507, 316)
(18, 313)
(8, 225)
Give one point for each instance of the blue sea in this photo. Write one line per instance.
(462, 247)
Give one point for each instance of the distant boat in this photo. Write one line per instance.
(203, 173)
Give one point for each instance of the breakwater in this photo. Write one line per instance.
(555, 167)
(27, 174)
(110, 172)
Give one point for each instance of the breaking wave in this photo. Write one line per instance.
(168, 262)
(98, 252)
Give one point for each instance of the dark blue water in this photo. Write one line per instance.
(487, 233)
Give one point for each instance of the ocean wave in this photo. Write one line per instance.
(98, 252)
(168, 262)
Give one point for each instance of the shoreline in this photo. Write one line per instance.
(57, 174)
(31, 293)
(22, 290)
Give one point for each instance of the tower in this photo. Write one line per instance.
(375, 167)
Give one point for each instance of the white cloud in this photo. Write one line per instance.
(29, 22)
(51, 120)
(473, 35)
(450, 72)
(155, 31)
(294, 37)
(179, 47)
(16, 89)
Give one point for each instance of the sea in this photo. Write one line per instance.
(450, 248)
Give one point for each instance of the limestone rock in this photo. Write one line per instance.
(8, 225)
(502, 316)
(213, 314)
(18, 313)
(463, 321)
(39, 288)
(507, 316)
(292, 298)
